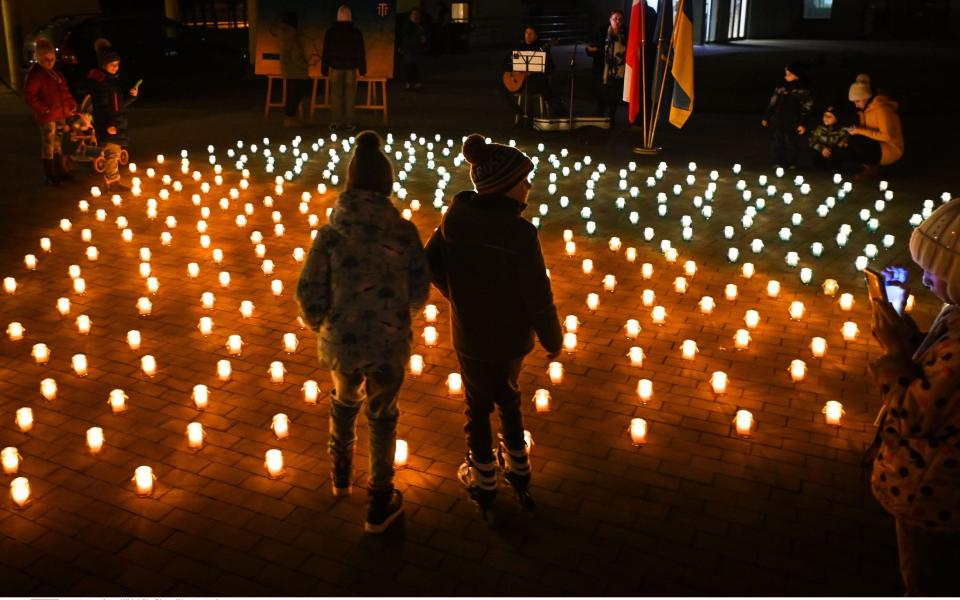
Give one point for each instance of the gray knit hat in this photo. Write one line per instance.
(860, 89)
(935, 246)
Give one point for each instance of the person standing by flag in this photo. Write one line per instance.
(609, 54)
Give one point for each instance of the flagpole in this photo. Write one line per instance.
(643, 68)
(663, 80)
(648, 134)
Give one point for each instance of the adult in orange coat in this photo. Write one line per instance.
(878, 139)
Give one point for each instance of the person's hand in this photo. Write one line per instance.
(826, 152)
(553, 355)
(854, 130)
(112, 130)
(763, 122)
(591, 48)
(891, 331)
(801, 129)
(134, 91)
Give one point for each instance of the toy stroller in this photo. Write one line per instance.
(80, 140)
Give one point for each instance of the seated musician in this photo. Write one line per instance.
(538, 83)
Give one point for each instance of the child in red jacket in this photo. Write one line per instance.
(47, 93)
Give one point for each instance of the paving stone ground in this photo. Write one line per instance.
(697, 510)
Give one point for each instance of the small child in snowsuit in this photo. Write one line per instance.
(110, 102)
(827, 138)
(47, 93)
(786, 116)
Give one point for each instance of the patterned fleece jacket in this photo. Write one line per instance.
(365, 273)
(827, 136)
(916, 476)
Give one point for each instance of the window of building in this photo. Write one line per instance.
(817, 9)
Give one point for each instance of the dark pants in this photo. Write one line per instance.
(928, 561)
(539, 84)
(297, 90)
(490, 384)
(609, 97)
(785, 147)
(860, 150)
(411, 72)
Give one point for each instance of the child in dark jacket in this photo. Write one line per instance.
(110, 102)
(786, 116)
(827, 138)
(485, 258)
(46, 91)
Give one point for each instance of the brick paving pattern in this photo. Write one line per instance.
(697, 510)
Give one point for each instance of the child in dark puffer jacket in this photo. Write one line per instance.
(110, 102)
(827, 138)
(786, 116)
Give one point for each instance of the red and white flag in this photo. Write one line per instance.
(632, 92)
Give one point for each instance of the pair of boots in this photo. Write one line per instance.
(480, 478)
(55, 170)
(385, 504)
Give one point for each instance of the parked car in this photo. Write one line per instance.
(162, 52)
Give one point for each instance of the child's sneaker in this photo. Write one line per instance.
(342, 471)
(516, 471)
(384, 508)
(480, 480)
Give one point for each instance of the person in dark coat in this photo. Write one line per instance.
(787, 114)
(540, 83)
(412, 45)
(294, 66)
(110, 102)
(609, 52)
(343, 57)
(485, 258)
(46, 91)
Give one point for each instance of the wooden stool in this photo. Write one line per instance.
(283, 96)
(376, 97)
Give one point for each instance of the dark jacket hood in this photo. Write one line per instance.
(471, 216)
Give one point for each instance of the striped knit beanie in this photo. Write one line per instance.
(494, 168)
(935, 246)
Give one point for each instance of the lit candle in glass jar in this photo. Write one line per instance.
(40, 353)
(193, 270)
(200, 396)
(195, 435)
(9, 285)
(680, 285)
(149, 365)
(830, 287)
(609, 283)
(224, 279)
(846, 301)
(10, 458)
(638, 431)
(63, 306)
(587, 266)
(658, 314)
(416, 365)
(430, 336)
(454, 383)
(92, 253)
(671, 255)
(850, 331)
(20, 491)
(743, 422)
(541, 400)
(796, 310)
(153, 285)
(690, 268)
(80, 286)
(234, 344)
(401, 453)
(818, 346)
(83, 324)
(48, 388)
(630, 254)
(636, 356)
(133, 339)
(310, 391)
(95, 440)
(79, 363)
(223, 369)
(688, 349)
(24, 419)
(593, 302)
(633, 328)
(246, 309)
(571, 323)
(646, 270)
(117, 401)
(555, 372)
(773, 288)
(718, 382)
(648, 297)
(276, 372)
(205, 325)
(430, 313)
(706, 305)
(570, 342)
(144, 479)
(614, 244)
(645, 390)
(747, 270)
(15, 331)
(276, 286)
(206, 300)
(570, 248)
(834, 412)
(798, 370)
(290, 343)
(30, 261)
(274, 463)
(741, 339)
(144, 306)
(730, 292)
(751, 318)
(280, 426)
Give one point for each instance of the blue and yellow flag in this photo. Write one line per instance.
(682, 70)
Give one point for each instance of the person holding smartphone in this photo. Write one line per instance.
(916, 470)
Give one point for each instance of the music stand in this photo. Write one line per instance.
(528, 61)
(561, 124)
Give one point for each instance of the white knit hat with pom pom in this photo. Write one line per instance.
(935, 246)
(860, 89)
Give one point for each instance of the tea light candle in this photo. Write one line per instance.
(648, 297)
(818, 347)
(276, 372)
(400, 454)
(645, 390)
(63, 306)
(234, 344)
(24, 419)
(48, 388)
(416, 365)
(144, 306)
(454, 383)
(117, 401)
(205, 325)
(9, 285)
(707, 305)
(743, 422)
(430, 313)
(830, 287)
(555, 372)
(846, 301)
(633, 328)
(207, 300)
(276, 286)
(646, 270)
(751, 318)
(587, 266)
(20, 491)
(430, 336)
(195, 435)
(246, 309)
(849, 331)
(224, 279)
(730, 292)
(636, 356)
(310, 391)
(741, 339)
(79, 363)
(290, 343)
(11, 460)
(798, 370)
(40, 353)
(15, 331)
(638, 431)
(95, 440)
(280, 426)
(570, 248)
(149, 365)
(223, 369)
(834, 412)
(144, 479)
(541, 400)
(796, 310)
(680, 285)
(609, 283)
(45, 244)
(630, 254)
(614, 244)
(200, 396)
(571, 323)
(658, 314)
(718, 382)
(193, 270)
(593, 301)
(773, 288)
(30, 261)
(80, 286)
